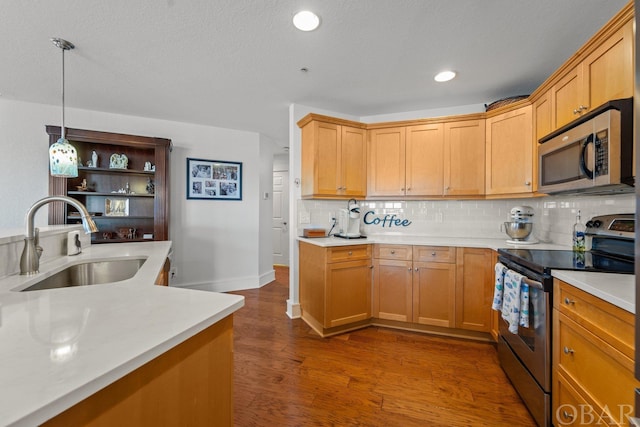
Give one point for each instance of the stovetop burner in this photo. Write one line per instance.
(543, 261)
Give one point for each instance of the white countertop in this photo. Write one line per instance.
(60, 346)
(617, 289)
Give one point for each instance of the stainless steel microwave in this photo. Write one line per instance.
(592, 154)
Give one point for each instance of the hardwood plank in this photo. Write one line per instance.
(286, 375)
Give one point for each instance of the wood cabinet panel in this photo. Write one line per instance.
(434, 293)
(393, 293)
(567, 97)
(400, 252)
(608, 70)
(191, 384)
(333, 159)
(434, 254)
(474, 289)
(425, 160)
(464, 158)
(387, 162)
(593, 358)
(348, 293)
(542, 118)
(509, 152)
(349, 253)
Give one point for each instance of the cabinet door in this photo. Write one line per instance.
(348, 293)
(608, 71)
(567, 97)
(425, 160)
(353, 162)
(474, 289)
(320, 147)
(510, 152)
(434, 293)
(392, 291)
(542, 116)
(386, 162)
(464, 158)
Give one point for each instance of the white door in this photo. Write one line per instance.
(281, 218)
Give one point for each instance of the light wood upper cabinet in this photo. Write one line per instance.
(333, 159)
(387, 153)
(509, 152)
(606, 73)
(464, 163)
(542, 117)
(406, 161)
(425, 160)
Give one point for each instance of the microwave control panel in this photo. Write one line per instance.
(601, 149)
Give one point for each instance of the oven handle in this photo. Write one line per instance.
(533, 283)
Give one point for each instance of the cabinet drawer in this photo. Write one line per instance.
(349, 253)
(401, 252)
(610, 323)
(434, 254)
(571, 409)
(591, 364)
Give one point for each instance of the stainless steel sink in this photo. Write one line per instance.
(90, 273)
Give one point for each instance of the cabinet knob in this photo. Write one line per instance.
(350, 253)
(583, 107)
(567, 350)
(576, 111)
(569, 301)
(567, 415)
(433, 254)
(408, 188)
(527, 183)
(409, 269)
(402, 189)
(416, 269)
(393, 252)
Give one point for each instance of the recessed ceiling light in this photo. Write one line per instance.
(444, 76)
(306, 20)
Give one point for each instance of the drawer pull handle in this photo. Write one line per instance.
(393, 252)
(567, 415)
(409, 269)
(433, 254)
(569, 301)
(416, 268)
(350, 253)
(567, 350)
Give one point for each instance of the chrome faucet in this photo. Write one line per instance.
(30, 259)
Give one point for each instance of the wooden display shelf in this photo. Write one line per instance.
(99, 193)
(116, 170)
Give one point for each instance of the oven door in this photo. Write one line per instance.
(532, 345)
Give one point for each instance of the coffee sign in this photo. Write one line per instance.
(388, 221)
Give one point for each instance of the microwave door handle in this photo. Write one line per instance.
(583, 155)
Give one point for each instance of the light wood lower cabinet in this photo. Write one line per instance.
(474, 289)
(189, 385)
(335, 285)
(593, 359)
(437, 286)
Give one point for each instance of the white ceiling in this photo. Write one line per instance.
(236, 63)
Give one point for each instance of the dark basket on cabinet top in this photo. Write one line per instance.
(504, 101)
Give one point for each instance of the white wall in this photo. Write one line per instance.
(216, 243)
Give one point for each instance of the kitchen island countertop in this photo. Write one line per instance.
(617, 289)
(60, 346)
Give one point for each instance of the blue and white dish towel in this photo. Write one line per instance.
(511, 297)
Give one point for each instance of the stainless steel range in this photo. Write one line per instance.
(526, 355)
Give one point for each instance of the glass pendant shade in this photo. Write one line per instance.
(63, 159)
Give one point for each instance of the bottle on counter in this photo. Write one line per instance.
(579, 238)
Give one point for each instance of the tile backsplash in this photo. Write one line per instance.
(553, 219)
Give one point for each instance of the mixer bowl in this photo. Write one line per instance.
(518, 230)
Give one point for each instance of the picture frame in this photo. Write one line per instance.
(116, 207)
(214, 179)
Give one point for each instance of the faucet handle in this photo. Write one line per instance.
(36, 241)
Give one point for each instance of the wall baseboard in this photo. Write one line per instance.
(293, 310)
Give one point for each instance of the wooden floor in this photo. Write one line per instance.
(286, 375)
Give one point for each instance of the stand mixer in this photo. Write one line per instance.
(520, 226)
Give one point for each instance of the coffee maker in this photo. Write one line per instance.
(349, 221)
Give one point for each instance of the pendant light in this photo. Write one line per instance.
(63, 158)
